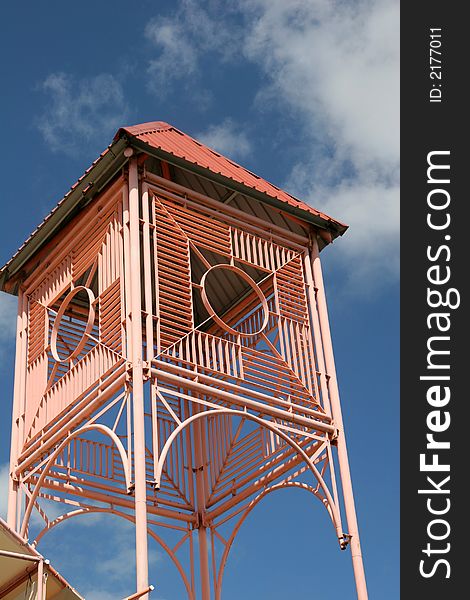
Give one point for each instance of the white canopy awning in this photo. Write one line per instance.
(20, 564)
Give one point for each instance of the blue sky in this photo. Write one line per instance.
(303, 93)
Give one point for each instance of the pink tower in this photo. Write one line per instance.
(174, 362)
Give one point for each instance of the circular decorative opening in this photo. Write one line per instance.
(89, 325)
(253, 286)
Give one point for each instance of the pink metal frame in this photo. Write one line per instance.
(129, 402)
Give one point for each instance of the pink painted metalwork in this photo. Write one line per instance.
(174, 362)
(253, 286)
(179, 144)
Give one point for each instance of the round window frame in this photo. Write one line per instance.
(254, 286)
(89, 326)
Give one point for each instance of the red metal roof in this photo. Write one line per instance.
(163, 136)
(171, 141)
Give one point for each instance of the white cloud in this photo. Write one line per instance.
(4, 476)
(81, 112)
(369, 252)
(98, 594)
(336, 66)
(227, 139)
(8, 311)
(182, 40)
(177, 57)
(111, 573)
(119, 566)
(333, 68)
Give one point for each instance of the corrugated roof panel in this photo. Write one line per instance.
(63, 201)
(171, 142)
(165, 137)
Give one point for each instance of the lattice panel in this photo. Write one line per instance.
(53, 283)
(210, 353)
(255, 250)
(75, 325)
(37, 331)
(110, 257)
(275, 337)
(110, 317)
(173, 277)
(101, 235)
(291, 291)
(248, 458)
(297, 351)
(88, 457)
(204, 231)
(221, 439)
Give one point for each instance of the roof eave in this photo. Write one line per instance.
(105, 168)
(334, 227)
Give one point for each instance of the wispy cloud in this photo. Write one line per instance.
(176, 58)
(336, 66)
(80, 113)
(112, 572)
(333, 68)
(4, 475)
(182, 40)
(227, 138)
(98, 594)
(8, 310)
(120, 565)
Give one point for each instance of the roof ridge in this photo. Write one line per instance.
(142, 128)
(149, 133)
(168, 141)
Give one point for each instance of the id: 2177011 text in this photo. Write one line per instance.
(435, 64)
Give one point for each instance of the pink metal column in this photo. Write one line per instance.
(241, 403)
(18, 404)
(140, 491)
(41, 589)
(201, 508)
(350, 509)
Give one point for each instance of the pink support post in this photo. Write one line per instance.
(140, 594)
(350, 509)
(216, 286)
(40, 595)
(18, 402)
(140, 492)
(201, 507)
